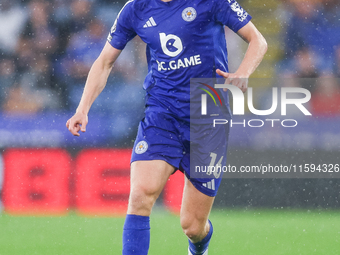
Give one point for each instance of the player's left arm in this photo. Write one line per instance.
(257, 47)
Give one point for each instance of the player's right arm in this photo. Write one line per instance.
(95, 83)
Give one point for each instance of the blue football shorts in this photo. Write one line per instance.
(164, 137)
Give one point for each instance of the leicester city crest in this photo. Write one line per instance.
(141, 147)
(189, 14)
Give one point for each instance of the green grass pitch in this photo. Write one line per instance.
(237, 232)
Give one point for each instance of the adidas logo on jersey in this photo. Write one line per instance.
(210, 185)
(150, 23)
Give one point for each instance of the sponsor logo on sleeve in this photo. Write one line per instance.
(241, 13)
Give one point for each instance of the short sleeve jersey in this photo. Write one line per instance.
(185, 39)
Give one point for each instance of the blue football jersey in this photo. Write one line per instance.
(185, 39)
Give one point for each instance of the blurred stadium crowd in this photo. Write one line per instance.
(47, 48)
(311, 36)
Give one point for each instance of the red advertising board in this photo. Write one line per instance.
(40, 181)
(36, 181)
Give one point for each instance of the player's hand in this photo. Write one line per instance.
(234, 79)
(77, 123)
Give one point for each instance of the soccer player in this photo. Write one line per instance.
(185, 39)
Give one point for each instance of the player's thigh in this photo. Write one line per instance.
(196, 207)
(147, 179)
(150, 174)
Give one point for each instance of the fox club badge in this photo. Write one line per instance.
(141, 147)
(189, 14)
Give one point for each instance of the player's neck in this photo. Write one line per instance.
(166, 0)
